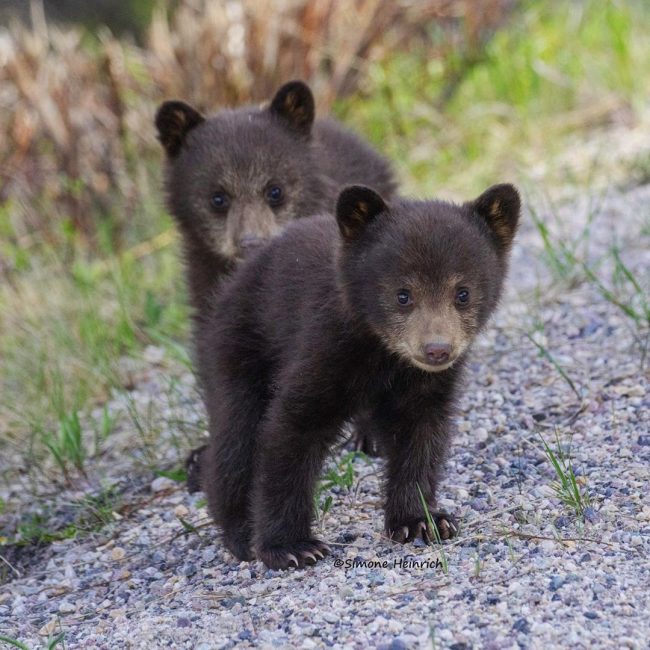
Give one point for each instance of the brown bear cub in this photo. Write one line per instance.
(236, 179)
(373, 311)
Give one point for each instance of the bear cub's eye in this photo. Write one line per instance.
(462, 297)
(404, 297)
(220, 201)
(274, 195)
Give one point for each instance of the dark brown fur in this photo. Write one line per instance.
(242, 153)
(310, 331)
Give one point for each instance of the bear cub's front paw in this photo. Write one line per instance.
(297, 554)
(417, 527)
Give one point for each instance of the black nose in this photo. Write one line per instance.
(248, 243)
(437, 353)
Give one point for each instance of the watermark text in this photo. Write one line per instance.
(400, 563)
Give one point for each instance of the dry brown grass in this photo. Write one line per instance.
(77, 116)
(241, 51)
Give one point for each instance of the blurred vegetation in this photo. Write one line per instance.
(558, 70)
(459, 94)
(123, 17)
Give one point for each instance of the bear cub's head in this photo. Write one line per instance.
(235, 179)
(425, 275)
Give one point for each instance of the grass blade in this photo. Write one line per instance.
(436, 532)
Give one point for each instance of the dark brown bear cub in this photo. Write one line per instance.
(236, 179)
(373, 311)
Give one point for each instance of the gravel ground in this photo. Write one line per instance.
(525, 570)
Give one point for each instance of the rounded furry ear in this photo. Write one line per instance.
(294, 104)
(174, 120)
(500, 206)
(356, 207)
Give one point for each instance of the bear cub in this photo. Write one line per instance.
(375, 311)
(235, 179)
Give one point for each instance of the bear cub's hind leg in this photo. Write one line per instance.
(227, 465)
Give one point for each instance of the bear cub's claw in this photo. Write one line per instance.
(418, 528)
(446, 524)
(296, 554)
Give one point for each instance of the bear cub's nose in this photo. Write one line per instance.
(437, 353)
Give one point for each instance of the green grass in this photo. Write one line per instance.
(91, 514)
(14, 643)
(67, 447)
(562, 248)
(565, 486)
(342, 475)
(556, 69)
(178, 474)
(544, 351)
(568, 258)
(65, 325)
(626, 293)
(50, 644)
(431, 525)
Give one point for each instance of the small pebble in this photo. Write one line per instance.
(521, 625)
(118, 553)
(161, 484)
(67, 608)
(188, 569)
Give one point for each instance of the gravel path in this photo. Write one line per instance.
(525, 570)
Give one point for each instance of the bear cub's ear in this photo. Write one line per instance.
(356, 207)
(294, 104)
(174, 120)
(500, 206)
